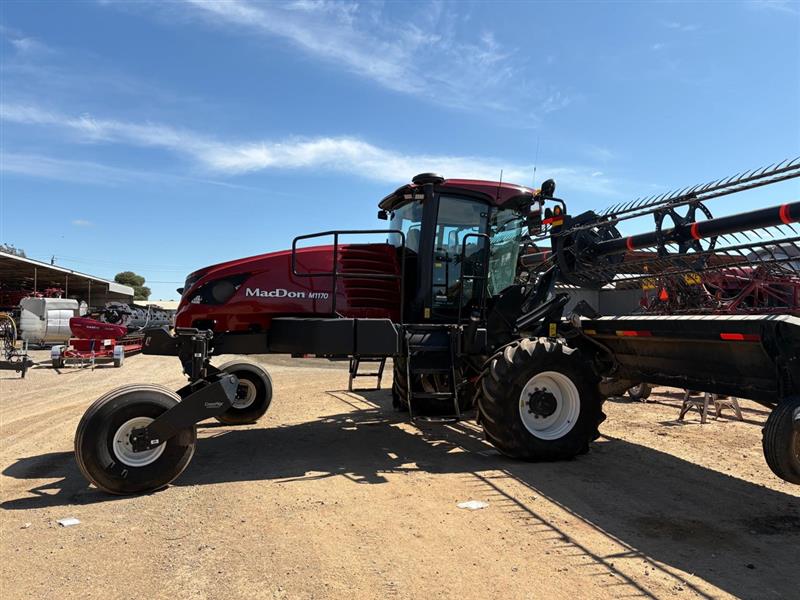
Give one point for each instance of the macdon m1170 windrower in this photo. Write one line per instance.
(462, 295)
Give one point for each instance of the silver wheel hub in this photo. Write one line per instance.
(549, 405)
(123, 449)
(246, 394)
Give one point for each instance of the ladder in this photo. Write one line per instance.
(430, 352)
(356, 361)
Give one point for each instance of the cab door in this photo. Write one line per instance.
(458, 220)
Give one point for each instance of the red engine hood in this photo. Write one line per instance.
(198, 278)
(266, 286)
(232, 267)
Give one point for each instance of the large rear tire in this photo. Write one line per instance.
(253, 395)
(102, 444)
(781, 440)
(539, 400)
(399, 384)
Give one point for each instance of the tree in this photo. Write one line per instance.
(140, 290)
(11, 249)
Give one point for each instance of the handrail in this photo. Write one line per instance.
(463, 278)
(334, 274)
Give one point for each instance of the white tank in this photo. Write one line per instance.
(46, 320)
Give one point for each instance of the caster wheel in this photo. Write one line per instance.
(102, 441)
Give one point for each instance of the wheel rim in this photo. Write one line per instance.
(123, 449)
(637, 390)
(549, 405)
(245, 394)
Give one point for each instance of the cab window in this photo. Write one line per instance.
(408, 219)
(457, 219)
(505, 230)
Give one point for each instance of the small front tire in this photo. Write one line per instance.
(253, 395)
(102, 444)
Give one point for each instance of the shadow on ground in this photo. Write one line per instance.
(662, 510)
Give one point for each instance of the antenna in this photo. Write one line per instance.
(499, 183)
(536, 159)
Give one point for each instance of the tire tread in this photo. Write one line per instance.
(495, 385)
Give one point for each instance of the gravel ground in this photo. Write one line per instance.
(334, 495)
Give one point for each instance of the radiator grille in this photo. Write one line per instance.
(370, 259)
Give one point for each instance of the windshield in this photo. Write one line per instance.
(505, 229)
(408, 219)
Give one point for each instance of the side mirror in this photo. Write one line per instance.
(383, 215)
(548, 189)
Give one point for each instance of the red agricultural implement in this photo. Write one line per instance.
(443, 297)
(736, 290)
(95, 342)
(107, 336)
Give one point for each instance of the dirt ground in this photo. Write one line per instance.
(334, 495)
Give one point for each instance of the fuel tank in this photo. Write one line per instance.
(246, 294)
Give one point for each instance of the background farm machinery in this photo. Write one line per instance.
(107, 335)
(74, 333)
(12, 357)
(739, 289)
(445, 297)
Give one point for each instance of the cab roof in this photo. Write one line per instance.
(501, 194)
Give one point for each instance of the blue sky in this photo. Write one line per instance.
(162, 137)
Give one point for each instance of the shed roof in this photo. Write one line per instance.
(21, 273)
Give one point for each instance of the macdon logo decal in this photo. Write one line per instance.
(284, 293)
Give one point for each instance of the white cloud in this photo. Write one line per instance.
(783, 6)
(71, 171)
(29, 46)
(343, 154)
(22, 44)
(555, 101)
(344, 11)
(598, 153)
(421, 55)
(94, 173)
(82, 223)
(91, 129)
(683, 27)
